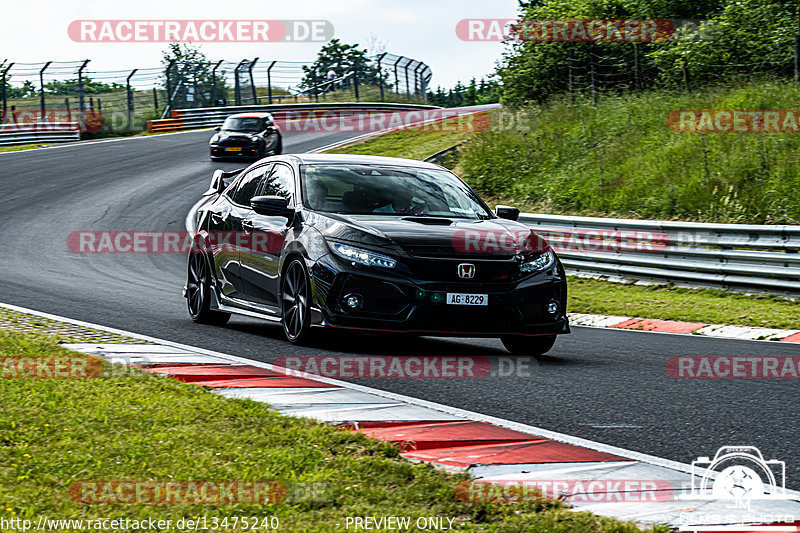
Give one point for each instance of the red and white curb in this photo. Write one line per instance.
(686, 328)
(490, 449)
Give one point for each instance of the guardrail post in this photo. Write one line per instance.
(3, 85)
(214, 81)
(41, 86)
(396, 77)
(81, 93)
(269, 81)
(380, 73)
(130, 98)
(252, 83)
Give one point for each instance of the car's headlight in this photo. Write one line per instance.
(539, 263)
(214, 139)
(361, 256)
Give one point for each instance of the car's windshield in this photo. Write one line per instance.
(389, 190)
(242, 124)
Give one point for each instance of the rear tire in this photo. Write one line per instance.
(296, 302)
(198, 291)
(522, 345)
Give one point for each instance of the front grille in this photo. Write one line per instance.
(438, 251)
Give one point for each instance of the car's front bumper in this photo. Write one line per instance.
(403, 304)
(220, 152)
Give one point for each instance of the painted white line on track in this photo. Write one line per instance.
(100, 141)
(471, 415)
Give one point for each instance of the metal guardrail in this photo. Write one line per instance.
(206, 117)
(33, 132)
(737, 256)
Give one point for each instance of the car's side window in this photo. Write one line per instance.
(280, 183)
(267, 122)
(248, 185)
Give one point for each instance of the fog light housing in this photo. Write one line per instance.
(353, 302)
(552, 308)
(437, 297)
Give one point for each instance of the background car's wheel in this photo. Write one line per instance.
(522, 345)
(296, 302)
(278, 148)
(198, 292)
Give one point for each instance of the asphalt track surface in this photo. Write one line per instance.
(605, 385)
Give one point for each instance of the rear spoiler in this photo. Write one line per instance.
(219, 181)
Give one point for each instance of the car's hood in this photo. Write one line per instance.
(235, 134)
(428, 236)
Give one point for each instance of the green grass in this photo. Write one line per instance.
(134, 426)
(22, 147)
(619, 158)
(412, 144)
(672, 303)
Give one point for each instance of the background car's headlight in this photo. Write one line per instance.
(539, 263)
(214, 139)
(364, 257)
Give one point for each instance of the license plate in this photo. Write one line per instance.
(233, 149)
(457, 298)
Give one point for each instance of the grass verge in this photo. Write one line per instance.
(22, 147)
(710, 306)
(135, 426)
(412, 144)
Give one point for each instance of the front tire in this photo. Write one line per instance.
(522, 345)
(278, 148)
(198, 291)
(296, 302)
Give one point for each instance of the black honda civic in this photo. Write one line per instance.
(373, 244)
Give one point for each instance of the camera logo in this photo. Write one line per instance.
(739, 474)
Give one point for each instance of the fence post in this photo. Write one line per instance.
(417, 80)
(155, 99)
(396, 77)
(3, 81)
(130, 98)
(797, 50)
(635, 68)
(425, 81)
(252, 83)
(355, 77)
(570, 80)
(685, 77)
(214, 81)
(169, 88)
(66, 106)
(594, 83)
(314, 82)
(408, 90)
(81, 92)
(237, 90)
(269, 81)
(41, 85)
(380, 73)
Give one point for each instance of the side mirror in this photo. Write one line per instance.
(272, 206)
(217, 128)
(217, 183)
(507, 212)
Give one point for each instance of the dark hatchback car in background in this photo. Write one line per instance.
(371, 243)
(246, 135)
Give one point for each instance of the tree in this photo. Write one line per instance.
(68, 87)
(190, 75)
(343, 58)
